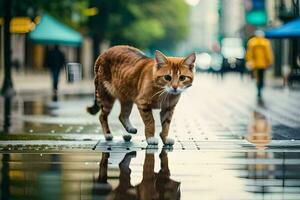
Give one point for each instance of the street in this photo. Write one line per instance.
(227, 146)
(234, 133)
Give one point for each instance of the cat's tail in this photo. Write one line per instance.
(94, 109)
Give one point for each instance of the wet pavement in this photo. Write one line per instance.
(152, 175)
(227, 146)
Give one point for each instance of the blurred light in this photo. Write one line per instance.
(216, 62)
(203, 61)
(192, 2)
(21, 25)
(216, 68)
(91, 11)
(1, 21)
(257, 17)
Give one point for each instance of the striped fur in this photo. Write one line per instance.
(127, 74)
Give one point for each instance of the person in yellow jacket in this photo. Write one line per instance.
(259, 57)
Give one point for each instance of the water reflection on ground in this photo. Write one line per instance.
(161, 175)
(152, 186)
(259, 132)
(40, 115)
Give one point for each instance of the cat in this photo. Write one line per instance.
(127, 74)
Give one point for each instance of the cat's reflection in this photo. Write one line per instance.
(153, 185)
(157, 185)
(124, 190)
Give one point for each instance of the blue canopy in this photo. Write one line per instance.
(51, 31)
(288, 30)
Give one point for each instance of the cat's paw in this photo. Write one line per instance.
(131, 130)
(108, 137)
(152, 141)
(168, 141)
(127, 138)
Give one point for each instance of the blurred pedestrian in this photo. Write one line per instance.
(55, 60)
(259, 57)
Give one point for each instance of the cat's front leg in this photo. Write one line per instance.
(102, 178)
(147, 116)
(165, 118)
(164, 165)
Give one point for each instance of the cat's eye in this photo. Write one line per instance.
(167, 77)
(182, 78)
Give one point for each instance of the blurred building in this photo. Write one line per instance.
(27, 55)
(232, 18)
(203, 26)
(280, 12)
(266, 14)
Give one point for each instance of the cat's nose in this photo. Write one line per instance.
(175, 87)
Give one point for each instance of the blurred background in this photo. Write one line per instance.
(253, 147)
(218, 30)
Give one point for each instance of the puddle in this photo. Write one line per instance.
(142, 175)
(41, 116)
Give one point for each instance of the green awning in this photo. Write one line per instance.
(51, 31)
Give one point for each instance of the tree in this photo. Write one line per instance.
(173, 15)
(146, 24)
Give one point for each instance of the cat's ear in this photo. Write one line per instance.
(160, 59)
(189, 61)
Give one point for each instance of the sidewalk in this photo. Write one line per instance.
(213, 111)
(41, 83)
(226, 146)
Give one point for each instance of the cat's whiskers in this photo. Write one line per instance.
(160, 91)
(163, 92)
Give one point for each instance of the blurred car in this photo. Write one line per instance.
(233, 53)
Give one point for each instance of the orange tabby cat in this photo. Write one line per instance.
(126, 74)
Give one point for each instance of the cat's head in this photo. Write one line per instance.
(174, 74)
